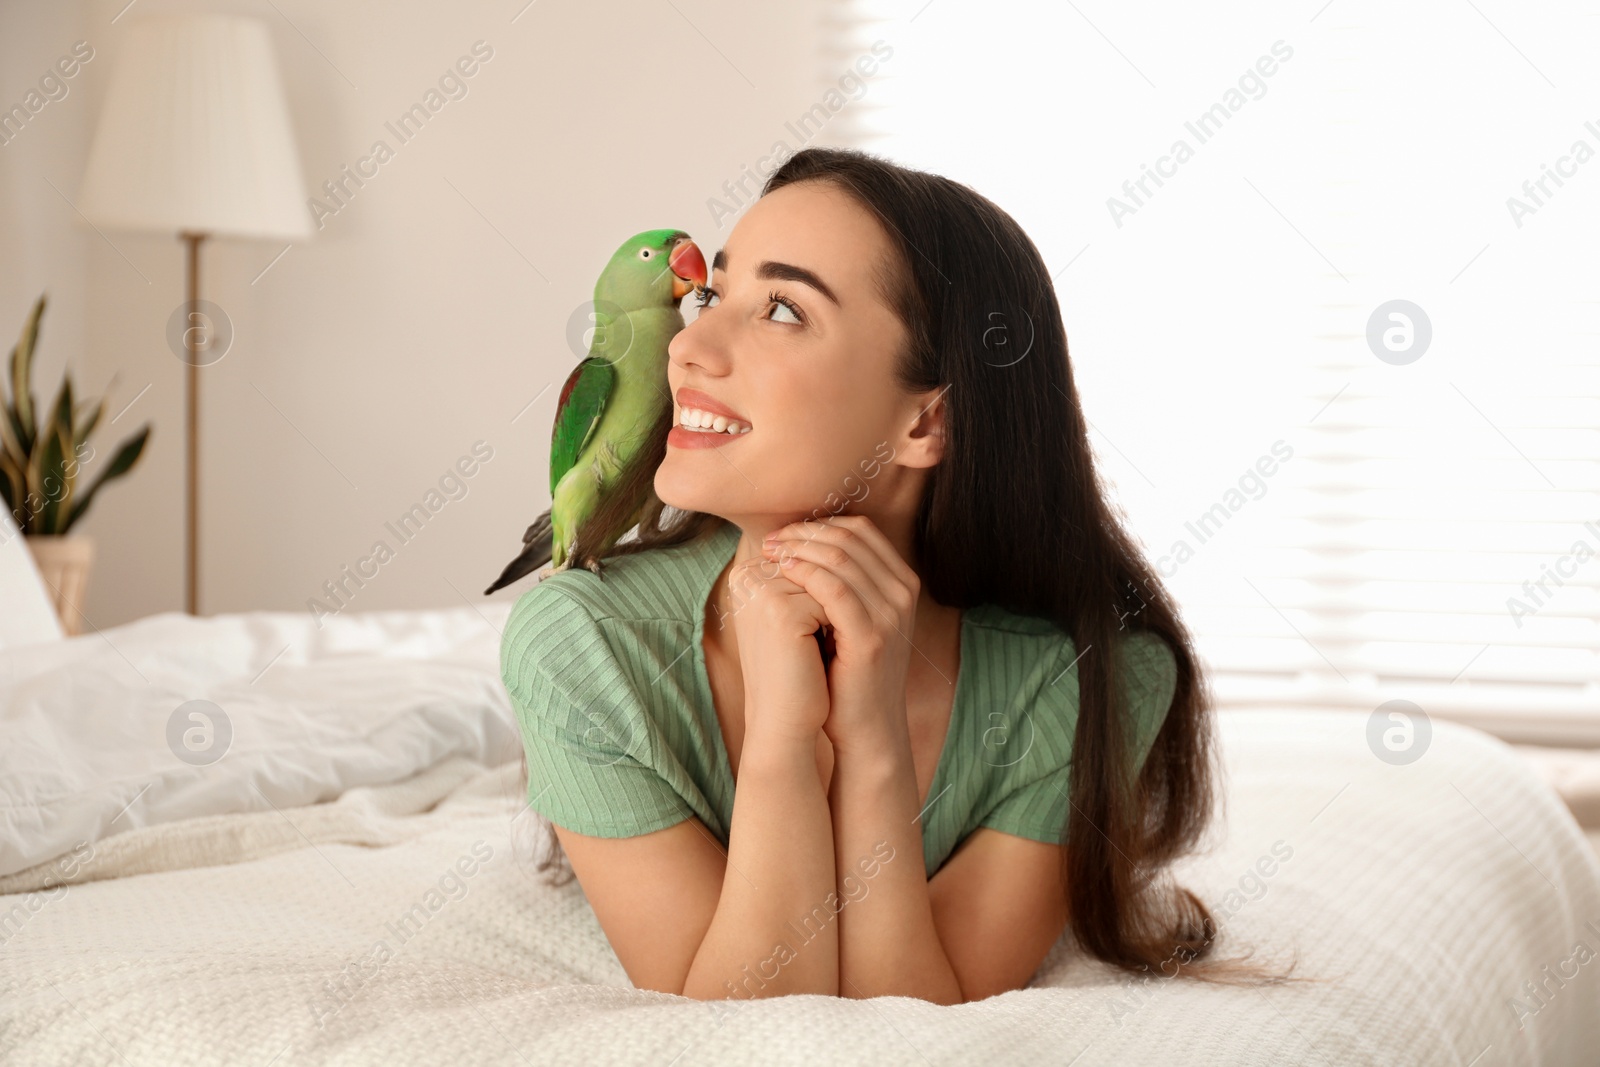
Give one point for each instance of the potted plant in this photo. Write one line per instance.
(43, 456)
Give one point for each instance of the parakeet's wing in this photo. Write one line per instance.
(583, 401)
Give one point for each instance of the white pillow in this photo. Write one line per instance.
(27, 612)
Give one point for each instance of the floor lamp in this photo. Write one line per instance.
(194, 139)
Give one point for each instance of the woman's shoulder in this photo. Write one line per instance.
(995, 618)
(575, 618)
(656, 583)
(547, 621)
(1147, 655)
(1032, 662)
(1029, 669)
(562, 637)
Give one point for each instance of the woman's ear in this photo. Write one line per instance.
(925, 439)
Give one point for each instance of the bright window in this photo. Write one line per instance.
(1221, 299)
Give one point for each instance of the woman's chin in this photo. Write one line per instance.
(674, 493)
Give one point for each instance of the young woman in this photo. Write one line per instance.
(949, 710)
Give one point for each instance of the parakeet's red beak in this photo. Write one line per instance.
(688, 266)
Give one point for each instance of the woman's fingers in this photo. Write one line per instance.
(878, 541)
(856, 539)
(785, 680)
(850, 563)
(846, 608)
(765, 578)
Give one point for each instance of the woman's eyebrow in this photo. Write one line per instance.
(775, 271)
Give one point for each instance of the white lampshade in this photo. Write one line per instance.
(194, 135)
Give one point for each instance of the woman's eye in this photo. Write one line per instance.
(776, 305)
(776, 301)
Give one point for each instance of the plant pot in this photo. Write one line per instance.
(63, 561)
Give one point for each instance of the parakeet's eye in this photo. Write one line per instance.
(644, 253)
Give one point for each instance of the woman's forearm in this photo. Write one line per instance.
(774, 931)
(888, 942)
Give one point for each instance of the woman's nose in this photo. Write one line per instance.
(696, 343)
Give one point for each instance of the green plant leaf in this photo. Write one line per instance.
(13, 487)
(39, 465)
(83, 427)
(62, 416)
(121, 463)
(31, 478)
(70, 467)
(46, 473)
(49, 484)
(11, 437)
(21, 372)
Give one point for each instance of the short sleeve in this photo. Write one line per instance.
(1037, 809)
(586, 733)
(1152, 673)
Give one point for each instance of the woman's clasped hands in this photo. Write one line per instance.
(868, 594)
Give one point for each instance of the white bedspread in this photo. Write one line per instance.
(364, 699)
(1427, 895)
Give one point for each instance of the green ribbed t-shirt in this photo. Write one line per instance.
(607, 678)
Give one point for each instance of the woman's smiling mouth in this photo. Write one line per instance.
(703, 421)
(704, 436)
(697, 420)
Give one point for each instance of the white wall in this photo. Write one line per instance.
(367, 361)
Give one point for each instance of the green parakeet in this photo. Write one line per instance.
(610, 406)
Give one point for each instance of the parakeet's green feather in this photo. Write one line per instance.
(583, 401)
(614, 404)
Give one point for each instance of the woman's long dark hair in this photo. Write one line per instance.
(1015, 514)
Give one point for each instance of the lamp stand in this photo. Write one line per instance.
(192, 396)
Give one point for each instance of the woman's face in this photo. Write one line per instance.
(796, 341)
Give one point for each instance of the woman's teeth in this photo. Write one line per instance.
(705, 422)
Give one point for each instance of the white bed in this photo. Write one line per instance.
(233, 913)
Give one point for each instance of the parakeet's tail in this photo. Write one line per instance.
(537, 547)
